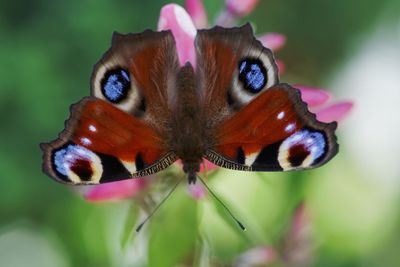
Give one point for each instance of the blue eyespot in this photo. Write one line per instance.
(252, 74)
(72, 158)
(302, 145)
(115, 85)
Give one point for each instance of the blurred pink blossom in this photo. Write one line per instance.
(335, 112)
(197, 191)
(273, 40)
(281, 66)
(115, 190)
(313, 96)
(206, 166)
(196, 10)
(240, 7)
(234, 9)
(258, 256)
(173, 17)
(318, 101)
(298, 249)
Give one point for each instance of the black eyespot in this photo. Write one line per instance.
(252, 74)
(115, 85)
(297, 154)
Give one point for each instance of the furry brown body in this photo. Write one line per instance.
(189, 140)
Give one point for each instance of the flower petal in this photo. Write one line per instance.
(313, 96)
(197, 191)
(207, 166)
(263, 256)
(240, 7)
(115, 190)
(281, 66)
(298, 246)
(335, 112)
(196, 10)
(173, 17)
(226, 19)
(273, 41)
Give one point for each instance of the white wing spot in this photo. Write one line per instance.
(281, 115)
(92, 128)
(251, 158)
(290, 127)
(86, 141)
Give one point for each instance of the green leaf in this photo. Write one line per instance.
(173, 232)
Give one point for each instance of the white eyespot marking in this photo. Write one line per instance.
(270, 78)
(301, 150)
(78, 164)
(92, 128)
(290, 127)
(251, 158)
(280, 115)
(132, 100)
(86, 141)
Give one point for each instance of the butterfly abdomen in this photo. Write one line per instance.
(188, 131)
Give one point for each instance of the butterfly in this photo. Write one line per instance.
(145, 111)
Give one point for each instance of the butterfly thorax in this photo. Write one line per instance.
(189, 136)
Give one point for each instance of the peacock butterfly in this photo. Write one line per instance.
(146, 111)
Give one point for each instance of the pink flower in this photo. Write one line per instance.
(197, 191)
(273, 41)
(240, 7)
(173, 17)
(298, 249)
(258, 256)
(281, 66)
(318, 102)
(196, 10)
(116, 190)
(234, 9)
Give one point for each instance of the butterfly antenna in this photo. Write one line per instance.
(222, 203)
(139, 227)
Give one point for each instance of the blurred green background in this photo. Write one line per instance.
(47, 51)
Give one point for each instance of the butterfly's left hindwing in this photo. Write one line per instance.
(102, 144)
(275, 132)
